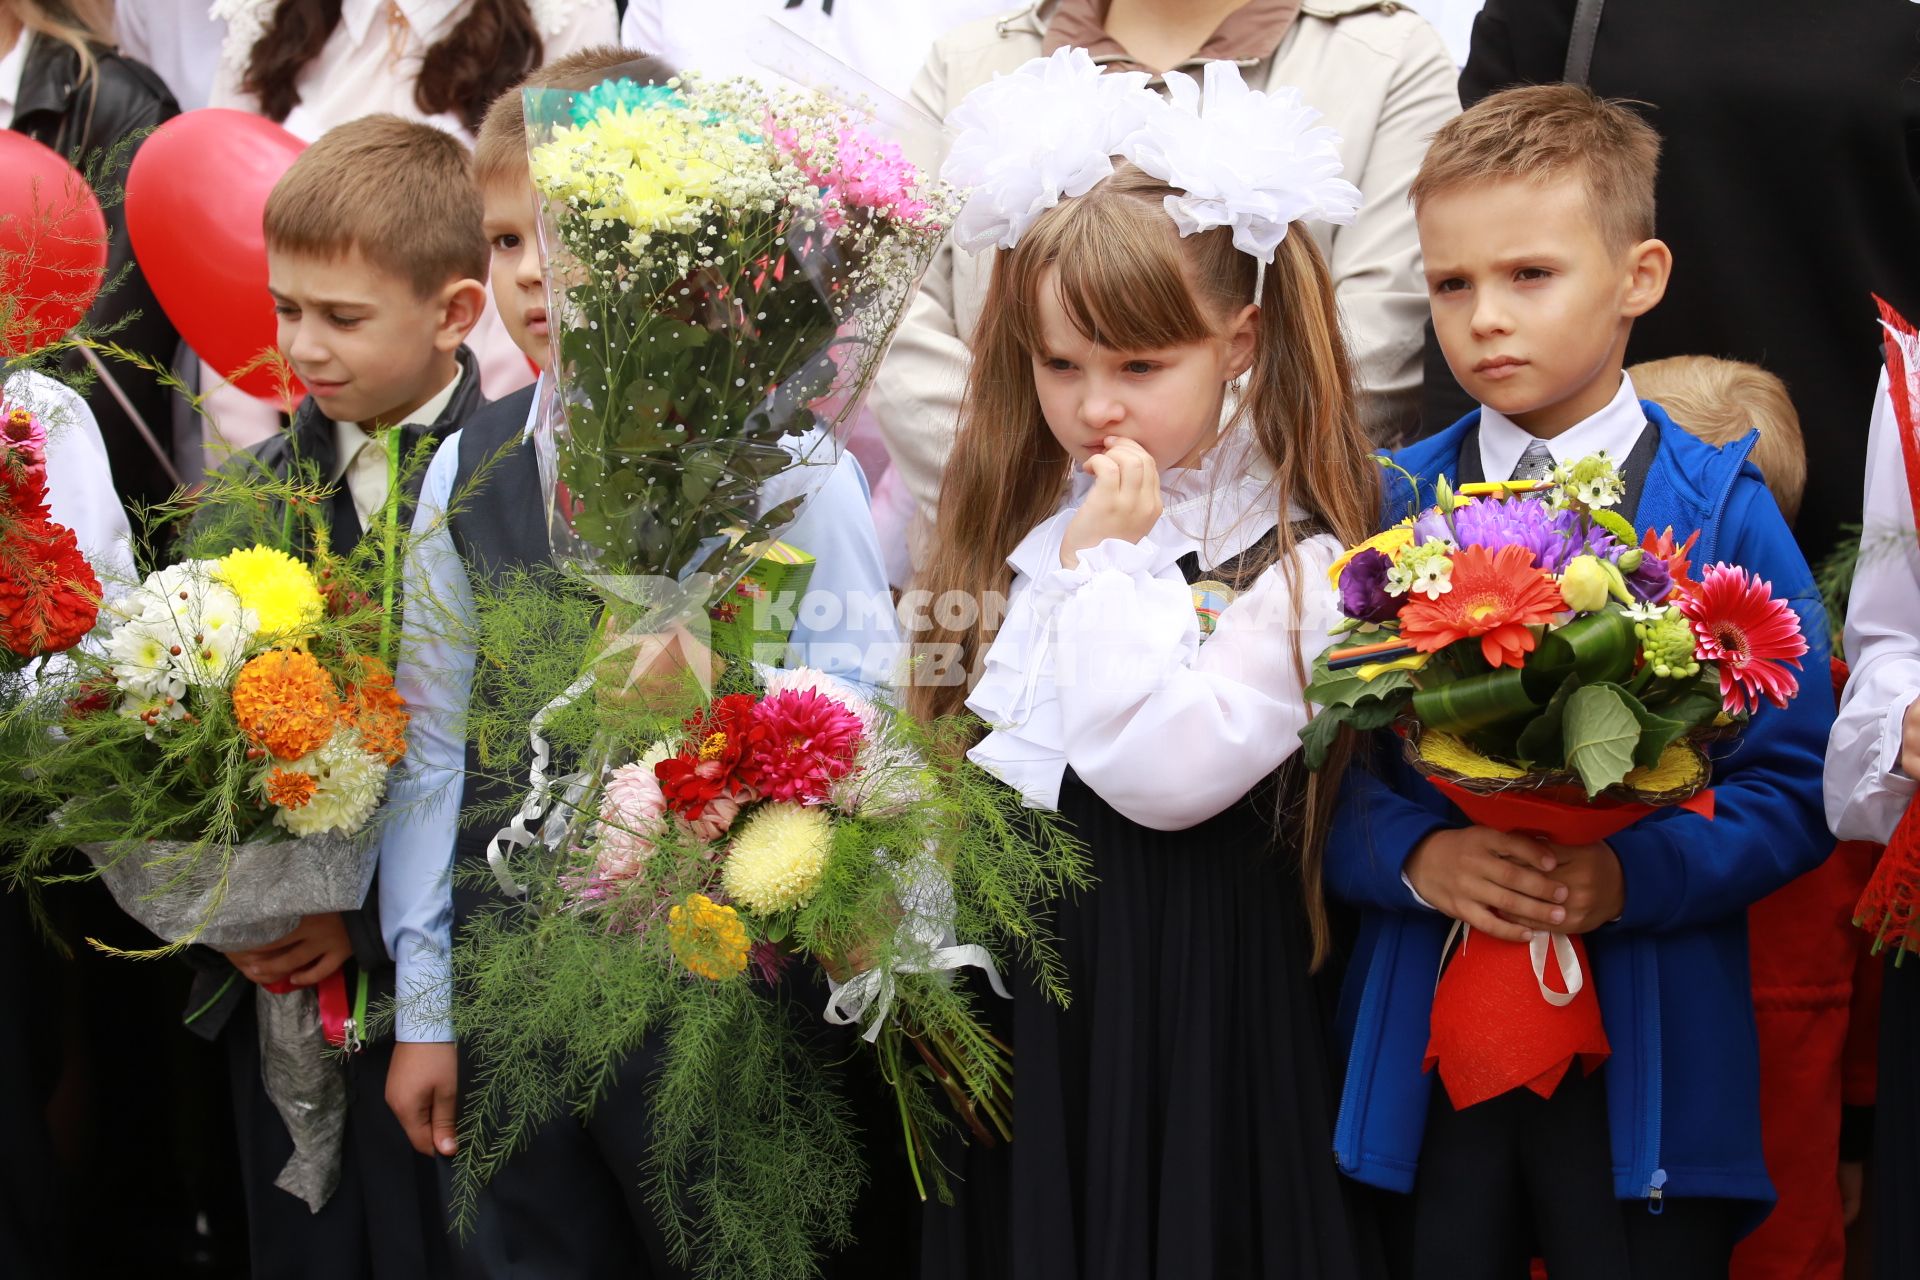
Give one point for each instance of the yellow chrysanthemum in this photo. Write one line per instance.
(1444, 751)
(652, 168)
(279, 590)
(777, 857)
(707, 937)
(1388, 542)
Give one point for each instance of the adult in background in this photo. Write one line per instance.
(1377, 70)
(1789, 190)
(62, 84)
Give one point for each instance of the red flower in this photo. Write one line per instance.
(1676, 555)
(802, 741)
(1496, 595)
(1753, 638)
(23, 463)
(49, 596)
(708, 766)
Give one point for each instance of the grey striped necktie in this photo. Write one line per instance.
(1535, 464)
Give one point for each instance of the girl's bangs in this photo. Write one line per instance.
(1121, 275)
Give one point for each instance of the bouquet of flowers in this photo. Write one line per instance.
(1554, 672)
(220, 761)
(729, 847)
(727, 264)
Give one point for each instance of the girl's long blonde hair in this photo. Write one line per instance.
(1130, 283)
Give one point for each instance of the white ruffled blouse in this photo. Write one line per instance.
(1102, 666)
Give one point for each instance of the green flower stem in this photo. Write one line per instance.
(389, 546)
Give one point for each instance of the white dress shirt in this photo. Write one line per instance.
(1102, 667)
(13, 65)
(1866, 791)
(435, 676)
(1615, 429)
(883, 40)
(362, 461)
(180, 39)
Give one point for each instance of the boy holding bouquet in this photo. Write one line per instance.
(1535, 211)
(573, 1198)
(375, 261)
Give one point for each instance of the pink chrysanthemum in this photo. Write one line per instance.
(631, 810)
(800, 742)
(1753, 638)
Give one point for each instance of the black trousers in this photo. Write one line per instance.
(1520, 1176)
(384, 1221)
(1896, 1129)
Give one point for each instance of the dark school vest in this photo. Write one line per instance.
(1633, 471)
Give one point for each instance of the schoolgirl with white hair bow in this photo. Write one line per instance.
(1164, 582)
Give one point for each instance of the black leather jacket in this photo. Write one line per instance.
(82, 120)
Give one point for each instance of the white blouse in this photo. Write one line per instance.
(1102, 667)
(1866, 791)
(372, 60)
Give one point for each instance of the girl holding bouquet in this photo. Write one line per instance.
(1157, 457)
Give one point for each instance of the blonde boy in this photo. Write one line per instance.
(1536, 218)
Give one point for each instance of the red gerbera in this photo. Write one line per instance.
(49, 596)
(1495, 595)
(1677, 555)
(1752, 637)
(709, 765)
(802, 740)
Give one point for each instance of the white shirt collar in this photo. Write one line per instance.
(1615, 429)
(12, 67)
(349, 436)
(423, 16)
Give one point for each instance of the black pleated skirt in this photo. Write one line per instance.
(1176, 1122)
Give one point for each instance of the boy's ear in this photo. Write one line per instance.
(461, 303)
(1649, 264)
(1242, 336)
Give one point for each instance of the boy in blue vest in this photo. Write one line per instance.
(570, 1202)
(1535, 211)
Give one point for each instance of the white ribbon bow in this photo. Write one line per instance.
(924, 943)
(1563, 952)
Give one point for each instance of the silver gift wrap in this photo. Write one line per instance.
(245, 896)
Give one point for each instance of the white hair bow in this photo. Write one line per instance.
(1242, 158)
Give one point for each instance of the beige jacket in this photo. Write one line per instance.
(1383, 79)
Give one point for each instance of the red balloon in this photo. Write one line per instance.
(195, 193)
(53, 245)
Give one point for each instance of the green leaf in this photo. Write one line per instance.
(1344, 688)
(1475, 702)
(1602, 733)
(1598, 647)
(1657, 731)
(1543, 741)
(1317, 739)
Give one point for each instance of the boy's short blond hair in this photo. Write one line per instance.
(1548, 131)
(397, 191)
(1720, 401)
(500, 148)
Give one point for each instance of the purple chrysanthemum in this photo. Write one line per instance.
(1546, 534)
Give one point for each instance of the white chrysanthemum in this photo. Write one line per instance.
(351, 779)
(216, 637)
(777, 857)
(1251, 160)
(142, 667)
(180, 607)
(827, 686)
(1030, 138)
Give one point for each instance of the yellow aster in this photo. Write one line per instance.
(707, 937)
(279, 590)
(777, 857)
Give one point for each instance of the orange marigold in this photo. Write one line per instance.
(1496, 596)
(291, 789)
(376, 709)
(285, 701)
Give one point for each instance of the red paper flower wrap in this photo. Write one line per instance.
(1492, 1029)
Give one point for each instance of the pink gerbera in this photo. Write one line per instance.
(800, 742)
(1752, 637)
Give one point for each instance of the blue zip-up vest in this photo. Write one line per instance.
(1671, 973)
